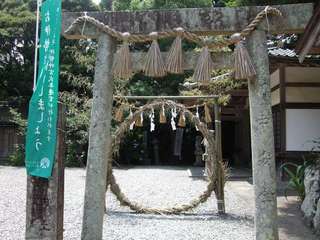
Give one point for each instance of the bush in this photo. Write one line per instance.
(296, 172)
(17, 158)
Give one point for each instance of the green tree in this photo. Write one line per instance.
(264, 2)
(76, 77)
(17, 31)
(158, 4)
(106, 4)
(17, 44)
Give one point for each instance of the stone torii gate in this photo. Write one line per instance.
(207, 21)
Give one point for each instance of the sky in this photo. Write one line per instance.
(96, 1)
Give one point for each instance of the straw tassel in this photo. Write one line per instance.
(174, 61)
(154, 66)
(207, 114)
(119, 114)
(243, 67)
(202, 72)
(182, 120)
(139, 120)
(122, 67)
(163, 118)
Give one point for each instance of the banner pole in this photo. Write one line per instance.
(39, 2)
(43, 108)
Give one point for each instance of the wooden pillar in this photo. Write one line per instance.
(262, 141)
(99, 141)
(282, 106)
(45, 197)
(220, 179)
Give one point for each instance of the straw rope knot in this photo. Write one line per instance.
(179, 31)
(259, 18)
(125, 36)
(154, 35)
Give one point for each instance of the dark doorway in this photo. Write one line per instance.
(228, 141)
(142, 147)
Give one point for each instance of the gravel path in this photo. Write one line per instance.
(152, 187)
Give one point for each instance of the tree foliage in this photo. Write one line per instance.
(17, 31)
(17, 44)
(268, 2)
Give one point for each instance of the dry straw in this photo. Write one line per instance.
(119, 114)
(243, 67)
(182, 119)
(122, 67)
(174, 61)
(154, 65)
(162, 114)
(202, 72)
(139, 120)
(207, 114)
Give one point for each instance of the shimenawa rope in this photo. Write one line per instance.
(120, 133)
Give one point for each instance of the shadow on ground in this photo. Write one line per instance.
(182, 217)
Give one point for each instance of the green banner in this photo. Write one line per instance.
(43, 106)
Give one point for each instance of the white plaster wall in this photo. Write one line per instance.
(302, 126)
(274, 78)
(302, 74)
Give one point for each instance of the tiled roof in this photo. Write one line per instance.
(281, 52)
(287, 53)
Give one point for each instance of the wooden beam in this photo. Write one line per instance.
(282, 86)
(215, 21)
(309, 38)
(166, 97)
(311, 41)
(218, 145)
(45, 197)
(293, 62)
(192, 85)
(303, 84)
(220, 60)
(239, 93)
(303, 105)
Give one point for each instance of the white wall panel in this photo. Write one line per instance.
(302, 126)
